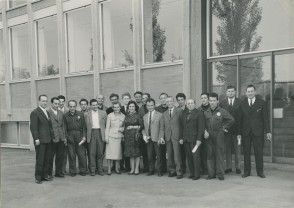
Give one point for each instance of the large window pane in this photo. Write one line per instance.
(243, 26)
(2, 67)
(15, 3)
(79, 40)
(47, 46)
(283, 106)
(163, 29)
(24, 133)
(19, 52)
(9, 133)
(117, 37)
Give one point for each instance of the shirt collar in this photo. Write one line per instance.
(253, 100)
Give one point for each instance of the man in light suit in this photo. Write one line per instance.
(153, 136)
(41, 129)
(173, 138)
(95, 120)
(59, 141)
(231, 104)
(253, 123)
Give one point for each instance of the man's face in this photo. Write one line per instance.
(150, 106)
(170, 102)
(213, 102)
(181, 101)
(250, 92)
(114, 100)
(138, 98)
(191, 104)
(94, 106)
(83, 105)
(61, 104)
(55, 104)
(100, 99)
(126, 100)
(43, 101)
(162, 99)
(231, 93)
(72, 107)
(204, 100)
(144, 98)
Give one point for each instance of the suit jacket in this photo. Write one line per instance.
(234, 111)
(65, 110)
(57, 125)
(156, 126)
(253, 119)
(113, 125)
(40, 126)
(122, 109)
(89, 123)
(172, 125)
(193, 126)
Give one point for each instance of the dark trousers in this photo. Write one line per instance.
(163, 157)
(58, 149)
(43, 152)
(203, 156)
(96, 146)
(153, 149)
(65, 157)
(193, 159)
(231, 145)
(125, 161)
(258, 152)
(183, 156)
(215, 153)
(88, 155)
(75, 149)
(144, 153)
(174, 161)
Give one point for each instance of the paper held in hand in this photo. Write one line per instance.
(195, 148)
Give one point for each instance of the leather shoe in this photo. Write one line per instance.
(100, 173)
(73, 174)
(171, 174)
(160, 174)
(210, 177)
(228, 170)
(59, 175)
(261, 175)
(38, 181)
(221, 177)
(245, 175)
(47, 179)
(195, 178)
(150, 173)
(92, 173)
(83, 174)
(179, 177)
(117, 172)
(191, 176)
(238, 171)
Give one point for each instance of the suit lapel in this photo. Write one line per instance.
(53, 114)
(42, 113)
(173, 113)
(154, 116)
(90, 118)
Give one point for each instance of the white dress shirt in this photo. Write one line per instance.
(44, 110)
(54, 111)
(253, 101)
(95, 119)
(231, 101)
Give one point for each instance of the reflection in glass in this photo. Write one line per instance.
(163, 26)
(283, 106)
(47, 46)
(19, 52)
(117, 24)
(2, 66)
(79, 40)
(15, 3)
(243, 26)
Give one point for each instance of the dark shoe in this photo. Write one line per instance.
(100, 173)
(195, 178)
(131, 173)
(210, 177)
(117, 172)
(238, 171)
(150, 173)
(179, 177)
(92, 173)
(47, 179)
(172, 174)
(73, 174)
(245, 175)
(136, 173)
(83, 174)
(191, 176)
(261, 175)
(228, 171)
(145, 170)
(38, 181)
(109, 173)
(59, 175)
(221, 177)
(159, 174)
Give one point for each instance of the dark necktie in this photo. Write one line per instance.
(170, 113)
(149, 126)
(251, 103)
(231, 102)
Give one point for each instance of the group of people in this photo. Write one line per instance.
(166, 137)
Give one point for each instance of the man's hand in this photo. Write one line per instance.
(65, 142)
(269, 136)
(83, 141)
(206, 134)
(161, 141)
(37, 142)
(181, 141)
(225, 130)
(239, 139)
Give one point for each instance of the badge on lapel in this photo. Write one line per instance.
(79, 117)
(218, 114)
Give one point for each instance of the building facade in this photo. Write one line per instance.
(84, 48)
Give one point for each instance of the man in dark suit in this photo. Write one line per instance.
(193, 125)
(126, 97)
(232, 105)
(114, 98)
(59, 141)
(253, 123)
(41, 130)
(173, 138)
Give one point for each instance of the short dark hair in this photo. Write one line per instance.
(138, 92)
(83, 100)
(61, 97)
(163, 93)
(150, 100)
(133, 102)
(205, 93)
(93, 101)
(43, 95)
(113, 95)
(72, 101)
(249, 86)
(181, 95)
(146, 93)
(54, 98)
(126, 94)
(231, 87)
(214, 95)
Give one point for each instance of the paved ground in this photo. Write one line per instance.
(18, 189)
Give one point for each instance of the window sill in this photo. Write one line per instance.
(82, 73)
(20, 81)
(162, 64)
(47, 77)
(117, 70)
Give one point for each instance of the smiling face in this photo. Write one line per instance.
(144, 98)
(250, 92)
(170, 102)
(100, 99)
(138, 98)
(43, 101)
(213, 102)
(94, 106)
(114, 100)
(83, 105)
(55, 104)
(231, 93)
(204, 100)
(116, 108)
(132, 108)
(72, 106)
(181, 101)
(162, 99)
(150, 106)
(62, 102)
(126, 99)
(191, 104)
